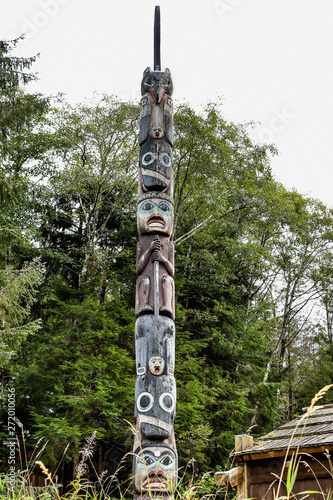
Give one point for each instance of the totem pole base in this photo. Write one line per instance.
(155, 467)
(155, 496)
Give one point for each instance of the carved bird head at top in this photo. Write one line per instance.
(157, 83)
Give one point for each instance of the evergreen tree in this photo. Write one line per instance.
(21, 143)
(243, 243)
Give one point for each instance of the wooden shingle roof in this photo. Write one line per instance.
(308, 432)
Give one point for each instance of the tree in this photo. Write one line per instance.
(17, 294)
(222, 186)
(77, 373)
(93, 182)
(21, 143)
(247, 254)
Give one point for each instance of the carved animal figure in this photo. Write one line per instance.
(155, 345)
(155, 388)
(156, 130)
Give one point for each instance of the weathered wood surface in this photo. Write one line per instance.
(262, 476)
(310, 466)
(155, 163)
(154, 338)
(231, 477)
(156, 131)
(280, 453)
(155, 462)
(155, 465)
(243, 441)
(155, 389)
(150, 249)
(260, 491)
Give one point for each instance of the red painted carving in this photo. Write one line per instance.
(149, 249)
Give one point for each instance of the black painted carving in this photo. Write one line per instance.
(154, 337)
(155, 391)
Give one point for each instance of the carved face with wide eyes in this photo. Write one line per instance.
(155, 469)
(155, 163)
(157, 83)
(156, 365)
(155, 216)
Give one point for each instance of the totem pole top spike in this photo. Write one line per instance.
(157, 39)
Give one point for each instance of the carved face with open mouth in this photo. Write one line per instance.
(155, 215)
(156, 365)
(155, 469)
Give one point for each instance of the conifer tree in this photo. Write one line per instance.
(21, 143)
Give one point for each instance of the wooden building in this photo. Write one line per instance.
(258, 464)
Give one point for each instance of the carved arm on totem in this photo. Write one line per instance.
(153, 252)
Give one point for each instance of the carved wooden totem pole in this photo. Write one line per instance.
(155, 455)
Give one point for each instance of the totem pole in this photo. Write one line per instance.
(155, 454)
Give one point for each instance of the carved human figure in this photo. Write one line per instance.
(155, 214)
(155, 468)
(152, 248)
(156, 365)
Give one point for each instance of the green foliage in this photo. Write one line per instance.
(252, 260)
(20, 143)
(20, 112)
(86, 379)
(17, 294)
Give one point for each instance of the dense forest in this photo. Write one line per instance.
(254, 288)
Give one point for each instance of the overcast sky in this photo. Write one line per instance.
(270, 61)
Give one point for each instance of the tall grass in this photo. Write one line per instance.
(109, 488)
(295, 459)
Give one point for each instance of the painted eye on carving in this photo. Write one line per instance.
(145, 401)
(164, 207)
(148, 460)
(165, 159)
(145, 461)
(148, 158)
(147, 206)
(167, 402)
(165, 82)
(149, 81)
(166, 461)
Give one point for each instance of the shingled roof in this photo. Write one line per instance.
(310, 431)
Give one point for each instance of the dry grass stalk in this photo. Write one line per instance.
(49, 477)
(86, 452)
(304, 418)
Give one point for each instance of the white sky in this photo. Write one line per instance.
(270, 60)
